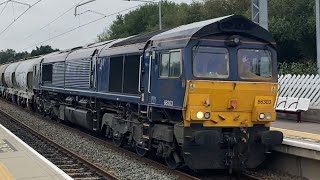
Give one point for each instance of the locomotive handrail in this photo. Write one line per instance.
(139, 84)
(149, 81)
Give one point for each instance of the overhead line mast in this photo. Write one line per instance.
(259, 12)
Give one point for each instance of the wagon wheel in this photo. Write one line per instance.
(171, 161)
(23, 102)
(118, 140)
(18, 101)
(141, 151)
(30, 106)
(14, 99)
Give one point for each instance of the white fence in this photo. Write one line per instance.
(301, 86)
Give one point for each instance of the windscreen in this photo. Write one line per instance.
(255, 64)
(210, 62)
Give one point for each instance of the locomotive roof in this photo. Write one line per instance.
(227, 24)
(110, 50)
(88, 51)
(141, 38)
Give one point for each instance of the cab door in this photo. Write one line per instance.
(145, 70)
(166, 87)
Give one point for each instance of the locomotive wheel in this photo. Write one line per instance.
(171, 161)
(141, 151)
(118, 141)
(108, 131)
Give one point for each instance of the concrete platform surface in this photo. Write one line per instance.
(299, 153)
(304, 126)
(304, 132)
(20, 161)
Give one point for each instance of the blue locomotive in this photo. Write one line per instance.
(200, 95)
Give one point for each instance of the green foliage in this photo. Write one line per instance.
(11, 55)
(291, 22)
(306, 67)
(146, 18)
(42, 50)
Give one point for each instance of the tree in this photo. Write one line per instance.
(145, 18)
(11, 55)
(42, 50)
(293, 28)
(7, 55)
(291, 22)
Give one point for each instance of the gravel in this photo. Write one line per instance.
(120, 165)
(266, 174)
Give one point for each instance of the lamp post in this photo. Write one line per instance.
(160, 11)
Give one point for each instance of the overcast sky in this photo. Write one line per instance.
(25, 33)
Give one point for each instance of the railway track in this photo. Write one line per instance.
(69, 162)
(71, 171)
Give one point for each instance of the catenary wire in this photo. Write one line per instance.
(13, 11)
(18, 17)
(73, 29)
(6, 3)
(54, 20)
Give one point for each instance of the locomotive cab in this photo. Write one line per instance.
(229, 103)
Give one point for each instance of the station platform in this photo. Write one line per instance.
(20, 161)
(303, 135)
(305, 131)
(299, 153)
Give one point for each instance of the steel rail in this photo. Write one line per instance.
(249, 176)
(109, 144)
(99, 170)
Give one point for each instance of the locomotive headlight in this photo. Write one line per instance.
(262, 115)
(200, 115)
(233, 41)
(207, 115)
(268, 116)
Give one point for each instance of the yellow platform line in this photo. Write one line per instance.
(4, 173)
(288, 132)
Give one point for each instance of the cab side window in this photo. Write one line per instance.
(170, 64)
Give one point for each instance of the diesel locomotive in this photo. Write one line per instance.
(200, 95)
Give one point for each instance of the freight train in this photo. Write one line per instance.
(200, 95)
